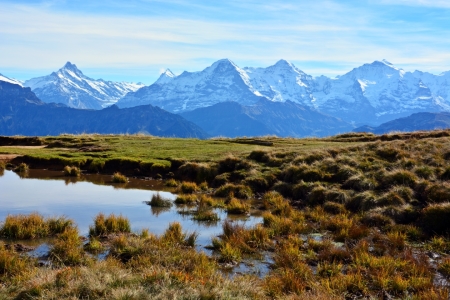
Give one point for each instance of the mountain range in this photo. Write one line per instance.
(226, 100)
(414, 122)
(71, 87)
(22, 113)
(373, 93)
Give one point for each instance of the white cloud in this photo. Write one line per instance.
(42, 38)
(429, 3)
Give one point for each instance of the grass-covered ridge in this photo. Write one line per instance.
(355, 215)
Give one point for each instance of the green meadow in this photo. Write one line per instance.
(350, 216)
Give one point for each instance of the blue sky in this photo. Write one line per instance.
(135, 40)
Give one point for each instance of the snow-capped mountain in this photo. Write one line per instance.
(71, 87)
(10, 80)
(439, 85)
(222, 81)
(282, 82)
(372, 93)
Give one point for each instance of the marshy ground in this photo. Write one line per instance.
(354, 216)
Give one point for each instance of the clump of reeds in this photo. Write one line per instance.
(94, 246)
(119, 178)
(236, 206)
(239, 191)
(33, 226)
(172, 183)
(22, 168)
(67, 248)
(274, 202)
(206, 215)
(72, 171)
(186, 199)
(229, 254)
(282, 226)
(439, 244)
(159, 201)
(204, 212)
(188, 187)
(13, 265)
(174, 235)
(111, 224)
(444, 267)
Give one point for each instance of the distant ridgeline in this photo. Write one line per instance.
(22, 113)
(226, 100)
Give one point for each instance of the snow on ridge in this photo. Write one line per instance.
(10, 80)
(70, 86)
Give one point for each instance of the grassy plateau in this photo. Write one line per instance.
(353, 216)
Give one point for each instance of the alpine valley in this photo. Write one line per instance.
(226, 100)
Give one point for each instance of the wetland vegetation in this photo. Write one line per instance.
(350, 216)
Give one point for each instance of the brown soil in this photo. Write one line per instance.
(8, 157)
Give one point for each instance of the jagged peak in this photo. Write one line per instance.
(224, 62)
(283, 62)
(383, 63)
(165, 77)
(71, 67)
(168, 73)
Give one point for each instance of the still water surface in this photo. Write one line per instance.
(51, 194)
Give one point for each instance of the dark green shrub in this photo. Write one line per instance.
(399, 177)
(390, 153)
(300, 190)
(359, 183)
(343, 173)
(197, 172)
(362, 202)
(257, 184)
(425, 172)
(285, 189)
(390, 199)
(376, 219)
(232, 163)
(317, 196)
(437, 192)
(221, 179)
(436, 218)
(402, 214)
(304, 172)
(338, 195)
(317, 156)
(334, 208)
(259, 156)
